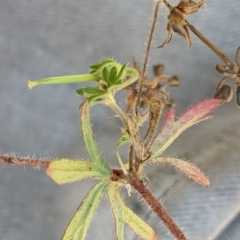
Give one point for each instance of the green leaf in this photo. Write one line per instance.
(186, 167)
(88, 138)
(112, 75)
(64, 80)
(103, 69)
(127, 72)
(123, 214)
(121, 73)
(80, 92)
(105, 74)
(124, 139)
(100, 64)
(172, 129)
(91, 93)
(66, 171)
(80, 222)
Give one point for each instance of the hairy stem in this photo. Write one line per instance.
(155, 16)
(157, 208)
(24, 161)
(112, 103)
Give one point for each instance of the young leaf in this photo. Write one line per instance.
(123, 139)
(123, 214)
(105, 74)
(80, 222)
(88, 138)
(172, 129)
(91, 93)
(66, 171)
(98, 65)
(186, 167)
(130, 72)
(121, 73)
(112, 75)
(64, 80)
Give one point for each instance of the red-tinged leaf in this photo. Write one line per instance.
(124, 215)
(172, 129)
(186, 167)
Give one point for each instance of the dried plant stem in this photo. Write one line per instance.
(24, 161)
(155, 16)
(168, 4)
(157, 208)
(212, 46)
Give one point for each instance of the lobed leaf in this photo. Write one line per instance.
(91, 93)
(80, 222)
(98, 65)
(104, 68)
(88, 138)
(124, 215)
(188, 168)
(124, 72)
(172, 129)
(66, 171)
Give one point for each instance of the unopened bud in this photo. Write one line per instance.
(225, 93)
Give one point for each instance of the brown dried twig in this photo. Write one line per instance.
(139, 92)
(151, 88)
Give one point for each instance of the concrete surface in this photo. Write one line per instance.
(48, 38)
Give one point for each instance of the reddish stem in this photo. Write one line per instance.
(157, 208)
(24, 161)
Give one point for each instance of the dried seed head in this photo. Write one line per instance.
(238, 96)
(230, 71)
(135, 136)
(158, 70)
(155, 110)
(189, 6)
(174, 81)
(225, 93)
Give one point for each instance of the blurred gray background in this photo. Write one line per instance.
(56, 37)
